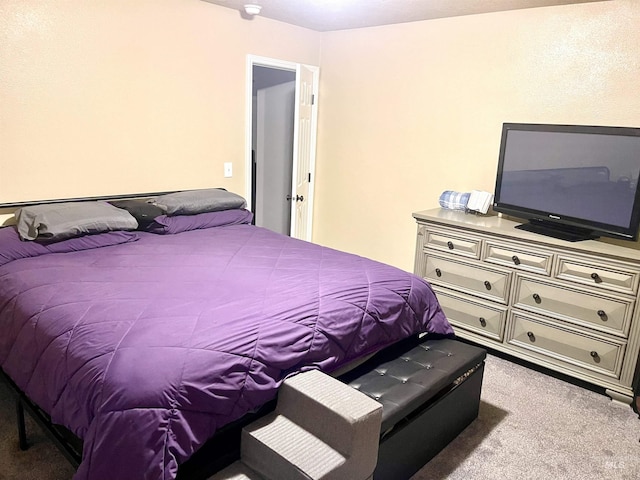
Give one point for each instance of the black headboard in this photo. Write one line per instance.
(14, 205)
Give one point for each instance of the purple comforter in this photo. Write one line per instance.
(144, 349)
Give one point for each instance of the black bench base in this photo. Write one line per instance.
(430, 393)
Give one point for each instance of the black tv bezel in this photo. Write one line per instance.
(581, 227)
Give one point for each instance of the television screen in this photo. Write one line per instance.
(572, 176)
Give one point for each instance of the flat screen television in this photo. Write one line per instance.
(573, 182)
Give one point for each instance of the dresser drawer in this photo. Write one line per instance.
(488, 283)
(605, 313)
(467, 313)
(444, 241)
(567, 345)
(529, 259)
(600, 275)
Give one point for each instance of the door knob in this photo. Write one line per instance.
(299, 198)
(289, 197)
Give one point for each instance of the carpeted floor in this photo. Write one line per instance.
(42, 461)
(530, 426)
(533, 426)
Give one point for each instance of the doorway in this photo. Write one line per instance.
(281, 135)
(272, 146)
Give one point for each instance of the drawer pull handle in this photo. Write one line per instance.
(596, 277)
(516, 260)
(438, 272)
(603, 315)
(594, 354)
(537, 298)
(483, 322)
(487, 285)
(450, 245)
(531, 336)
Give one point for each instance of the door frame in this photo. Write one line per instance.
(255, 60)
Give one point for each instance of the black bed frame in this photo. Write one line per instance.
(13, 205)
(69, 445)
(219, 452)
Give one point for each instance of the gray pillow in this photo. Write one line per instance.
(192, 202)
(58, 221)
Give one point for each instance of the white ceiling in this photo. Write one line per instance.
(325, 15)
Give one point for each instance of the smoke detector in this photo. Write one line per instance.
(252, 9)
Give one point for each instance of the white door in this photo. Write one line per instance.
(303, 154)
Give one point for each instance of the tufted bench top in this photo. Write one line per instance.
(406, 376)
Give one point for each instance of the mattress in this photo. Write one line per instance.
(145, 349)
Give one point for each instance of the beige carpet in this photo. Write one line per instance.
(531, 426)
(42, 461)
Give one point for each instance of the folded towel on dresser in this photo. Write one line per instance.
(452, 200)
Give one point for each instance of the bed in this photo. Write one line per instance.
(144, 344)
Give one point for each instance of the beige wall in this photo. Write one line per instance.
(410, 110)
(102, 97)
(120, 96)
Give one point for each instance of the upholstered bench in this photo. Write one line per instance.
(430, 392)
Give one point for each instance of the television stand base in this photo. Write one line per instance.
(570, 234)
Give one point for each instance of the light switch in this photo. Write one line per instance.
(228, 169)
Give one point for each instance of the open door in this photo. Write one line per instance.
(301, 208)
(301, 173)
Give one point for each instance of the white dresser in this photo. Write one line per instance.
(570, 307)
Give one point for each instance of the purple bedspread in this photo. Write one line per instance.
(144, 349)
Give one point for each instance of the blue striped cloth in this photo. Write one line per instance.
(454, 200)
